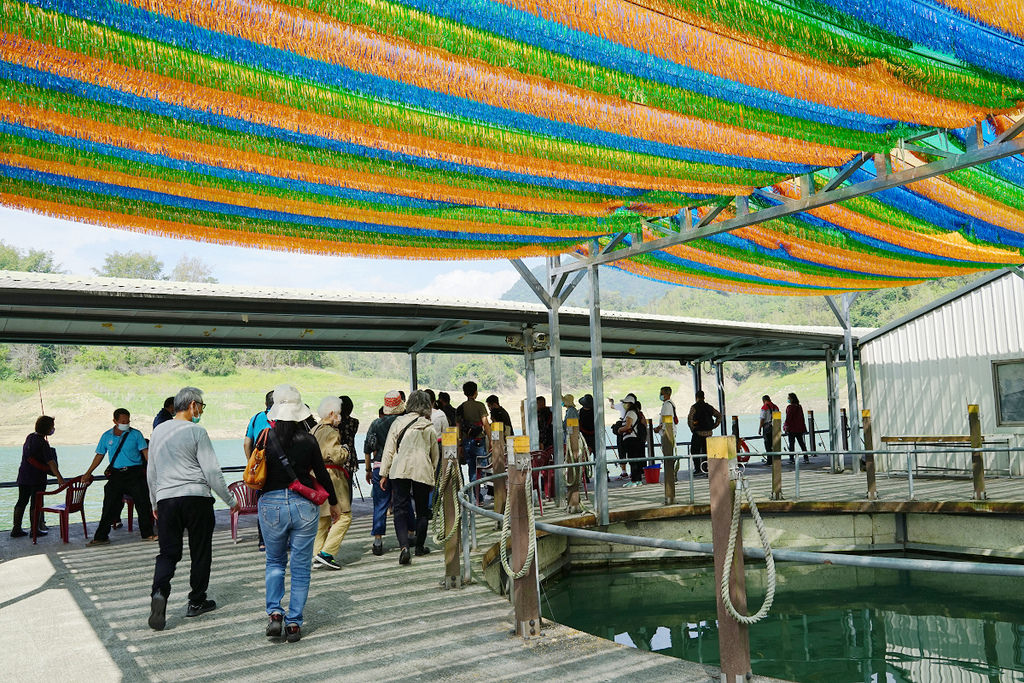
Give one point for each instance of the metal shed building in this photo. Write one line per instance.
(920, 372)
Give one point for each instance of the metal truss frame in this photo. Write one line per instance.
(1011, 142)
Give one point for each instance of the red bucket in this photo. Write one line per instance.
(652, 474)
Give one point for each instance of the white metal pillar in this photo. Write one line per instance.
(720, 382)
(531, 389)
(695, 369)
(832, 388)
(597, 379)
(554, 353)
(851, 377)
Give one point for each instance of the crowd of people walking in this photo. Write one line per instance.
(305, 494)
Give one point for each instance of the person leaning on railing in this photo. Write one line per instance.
(38, 458)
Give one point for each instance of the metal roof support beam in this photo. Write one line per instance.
(1015, 130)
(996, 150)
(530, 280)
(842, 311)
(568, 289)
(447, 330)
(845, 174)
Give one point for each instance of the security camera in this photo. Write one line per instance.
(540, 338)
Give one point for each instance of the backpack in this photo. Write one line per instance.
(640, 428)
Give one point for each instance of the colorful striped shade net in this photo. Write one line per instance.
(462, 129)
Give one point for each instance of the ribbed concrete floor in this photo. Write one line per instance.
(79, 613)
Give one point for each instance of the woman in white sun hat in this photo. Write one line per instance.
(289, 520)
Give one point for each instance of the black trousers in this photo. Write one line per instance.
(26, 496)
(401, 491)
(797, 437)
(699, 446)
(634, 448)
(175, 516)
(133, 482)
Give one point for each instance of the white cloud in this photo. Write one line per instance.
(470, 284)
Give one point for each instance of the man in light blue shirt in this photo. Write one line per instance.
(127, 451)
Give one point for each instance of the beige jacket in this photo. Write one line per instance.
(335, 455)
(418, 455)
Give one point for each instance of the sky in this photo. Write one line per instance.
(80, 247)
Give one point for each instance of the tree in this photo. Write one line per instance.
(30, 261)
(143, 265)
(192, 269)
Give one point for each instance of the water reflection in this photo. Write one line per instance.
(828, 623)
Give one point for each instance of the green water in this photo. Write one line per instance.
(827, 623)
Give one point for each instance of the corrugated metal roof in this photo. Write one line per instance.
(938, 303)
(47, 308)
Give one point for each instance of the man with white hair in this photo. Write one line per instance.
(183, 471)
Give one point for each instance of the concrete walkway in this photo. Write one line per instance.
(78, 613)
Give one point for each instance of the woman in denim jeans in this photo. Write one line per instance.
(289, 521)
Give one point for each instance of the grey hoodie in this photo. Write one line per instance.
(182, 463)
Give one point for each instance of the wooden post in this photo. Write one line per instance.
(777, 458)
(524, 590)
(810, 429)
(869, 458)
(498, 464)
(977, 457)
(733, 637)
(572, 431)
(452, 547)
(669, 468)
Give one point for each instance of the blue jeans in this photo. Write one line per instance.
(473, 448)
(381, 502)
(289, 523)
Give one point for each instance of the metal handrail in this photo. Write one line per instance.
(805, 557)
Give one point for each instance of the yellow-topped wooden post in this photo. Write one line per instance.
(573, 475)
(777, 457)
(450, 469)
(498, 464)
(869, 457)
(669, 468)
(977, 457)
(524, 589)
(733, 637)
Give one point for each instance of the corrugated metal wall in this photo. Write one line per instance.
(919, 377)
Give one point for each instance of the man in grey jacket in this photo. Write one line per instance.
(183, 474)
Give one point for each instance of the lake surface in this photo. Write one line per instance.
(827, 624)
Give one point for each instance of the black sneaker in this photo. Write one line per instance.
(157, 612)
(293, 633)
(325, 560)
(275, 625)
(423, 550)
(201, 608)
(378, 548)
(404, 557)
(19, 533)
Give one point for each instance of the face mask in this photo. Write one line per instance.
(195, 419)
(661, 397)
(51, 432)
(124, 426)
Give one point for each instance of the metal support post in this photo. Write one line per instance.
(669, 468)
(977, 458)
(720, 383)
(554, 353)
(851, 376)
(467, 567)
(597, 381)
(451, 467)
(414, 380)
(833, 409)
(777, 457)
(695, 369)
(844, 423)
(532, 429)
(869, 458)
(811, 429)
(575, 474)
(733, 637)
(498, 464)
(524, 592)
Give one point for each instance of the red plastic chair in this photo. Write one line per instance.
(131, 507)
(246, 498)
(543, 481)
(74, 500)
